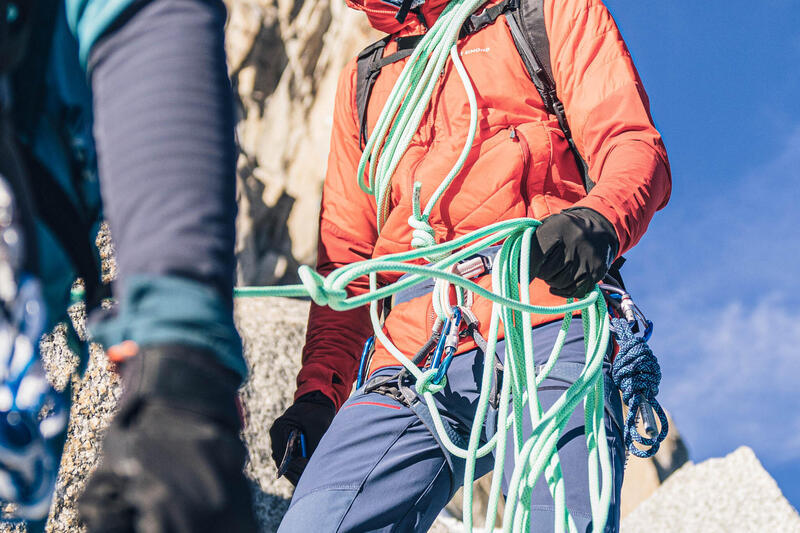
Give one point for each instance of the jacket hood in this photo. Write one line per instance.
(381, 14)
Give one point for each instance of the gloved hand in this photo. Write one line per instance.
(573, 250)
(311, 414)
(173, 460)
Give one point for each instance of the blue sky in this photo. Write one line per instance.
(719, 270)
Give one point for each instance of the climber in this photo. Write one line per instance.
(373, 464)
(130, 99)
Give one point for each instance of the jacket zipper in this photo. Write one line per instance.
(519, 138)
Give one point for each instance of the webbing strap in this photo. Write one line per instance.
(422, 411)
(365, 79)
(530, 15)
(369, 64)
(478, 21)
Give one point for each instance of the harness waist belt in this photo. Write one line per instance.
(474, 266)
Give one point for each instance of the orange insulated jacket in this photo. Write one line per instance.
(519, 166)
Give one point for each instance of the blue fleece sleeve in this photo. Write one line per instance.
(164, 132)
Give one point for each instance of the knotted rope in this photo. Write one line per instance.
(637, 374)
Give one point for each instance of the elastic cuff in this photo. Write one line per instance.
(321, 386)
(155, 310)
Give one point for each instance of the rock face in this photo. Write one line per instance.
(273, 331)
(285, 57)
(734, 493)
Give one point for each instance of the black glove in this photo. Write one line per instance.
(573, 250)
(173, 460)
(311, 415)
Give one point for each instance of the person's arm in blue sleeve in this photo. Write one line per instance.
(164, 131)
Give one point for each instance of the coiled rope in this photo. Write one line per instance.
(535, 453)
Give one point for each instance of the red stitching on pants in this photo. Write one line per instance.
(374, 403)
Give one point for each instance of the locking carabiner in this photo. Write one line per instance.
(621, 304)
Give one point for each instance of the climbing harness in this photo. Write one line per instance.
(536, 453)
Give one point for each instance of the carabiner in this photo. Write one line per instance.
(621, 302)
(369, 347)
(448, 343)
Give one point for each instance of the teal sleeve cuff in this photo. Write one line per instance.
(168, 309)
(89, 19)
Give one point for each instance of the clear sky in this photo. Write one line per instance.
(719, 270)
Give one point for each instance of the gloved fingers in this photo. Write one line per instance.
(575, 287)
(547, 263)
(537, 256)
(295, 470)
(562, 277)
(311, 415)
(576, 280)
(102, 506)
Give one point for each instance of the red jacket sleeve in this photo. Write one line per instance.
(347, 233)
(609, 115)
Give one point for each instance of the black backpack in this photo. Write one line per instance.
(525, 19)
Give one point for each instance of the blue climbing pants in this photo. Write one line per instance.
(379, 468)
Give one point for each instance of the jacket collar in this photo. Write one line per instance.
(381, 15)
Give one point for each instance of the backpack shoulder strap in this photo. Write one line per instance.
(530, 37)
(368, 65)
(365, 79)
